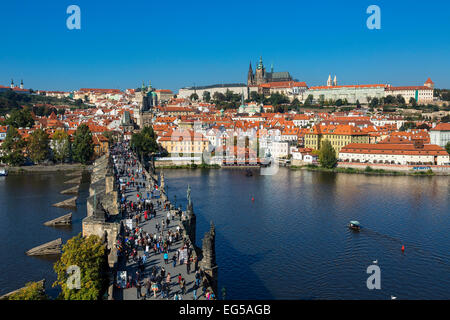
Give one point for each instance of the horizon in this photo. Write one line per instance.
(120, 45)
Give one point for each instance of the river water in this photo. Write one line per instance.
(25, 204)
(291, 242)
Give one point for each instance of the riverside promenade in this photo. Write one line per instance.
(130, 175)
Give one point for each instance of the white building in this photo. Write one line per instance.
(278, 149)
(238, 88)
(421, 94)
(440, 134)
(400, 154)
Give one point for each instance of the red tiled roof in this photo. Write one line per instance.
(391, 148)
(442, 127)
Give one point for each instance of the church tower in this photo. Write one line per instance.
(335, 81)
(12, 84)
(260, 73)
(250, 77)
(329, 82)
(21, 84)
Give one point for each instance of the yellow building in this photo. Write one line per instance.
(338, 135)
(184, 142)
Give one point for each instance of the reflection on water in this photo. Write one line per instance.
(292, 241)
(25, 204)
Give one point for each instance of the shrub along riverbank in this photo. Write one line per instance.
(368, 170)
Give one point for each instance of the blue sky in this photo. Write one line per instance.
(179, 43)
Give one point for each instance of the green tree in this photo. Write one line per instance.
(206, 96)
(144, 142)
(327, 155)
(31, 291)
(20, 119)
(309, 100)
(89, 255)
(38, 146)
(83, 147)
(61, 146)
(194, 97)
(374, 102)
(412, 102)
(447, 147)
(13, 147)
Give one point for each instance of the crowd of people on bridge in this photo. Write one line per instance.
(137, 246)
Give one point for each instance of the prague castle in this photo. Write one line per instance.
(261, 76)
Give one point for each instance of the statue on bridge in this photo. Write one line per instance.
(188, 195)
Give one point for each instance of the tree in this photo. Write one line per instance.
(327, 155)
(218, 96)
(144, 142)
(20, 119)
(400, 99)
(206, 96)
(83, 147)
(61, 146)
(358, 104)
(389, 99)
(447, 147)
(194, 97)
(38, 146)
(13, 147)
(309, 100)
(31, 291)
(89, 255)
(412, 102)
(374, 102)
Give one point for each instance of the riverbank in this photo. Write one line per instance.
(370, 171)
(47, 168)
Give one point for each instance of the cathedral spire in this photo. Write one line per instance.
(250, 75)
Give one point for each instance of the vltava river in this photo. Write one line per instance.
(25, 204)
(292, 241)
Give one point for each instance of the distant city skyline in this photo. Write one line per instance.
(181, 44)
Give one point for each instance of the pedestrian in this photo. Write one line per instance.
(195, 264)
(183, 286)
(166, 258)
(154, 289)
(188, 266)
(174, 261)
(138, 289)
(194, 291)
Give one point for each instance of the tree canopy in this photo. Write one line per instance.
(38, 146)
(89, 255)
(20, 119)
(83, 147)
(31, 291)
(327, 155)
(144, 142)
(13, 147)
(61, 146)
